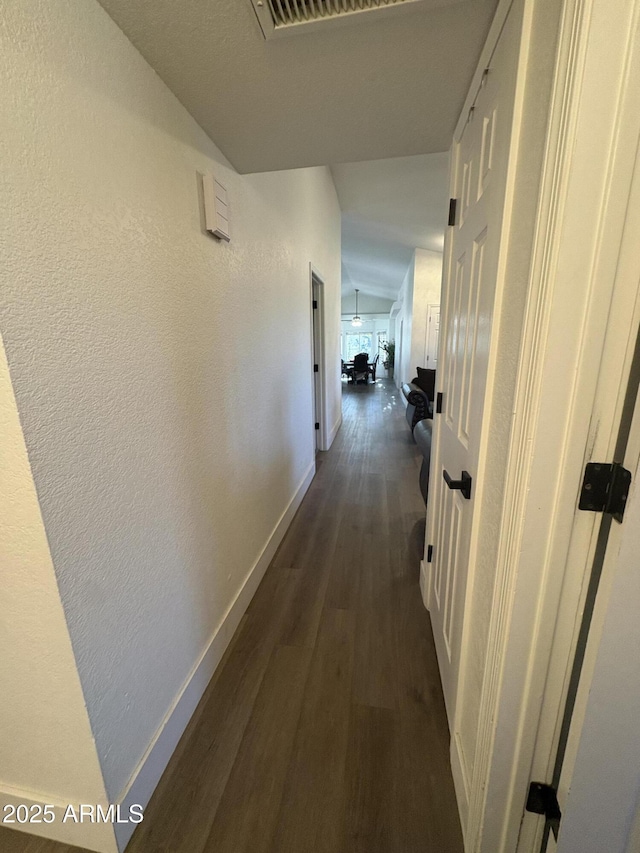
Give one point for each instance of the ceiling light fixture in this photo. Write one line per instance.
(356, 319)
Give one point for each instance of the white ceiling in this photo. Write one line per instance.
(389, 208)
(376, 89)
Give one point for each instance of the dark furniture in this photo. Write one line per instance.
(347, 367)
(426, 379)
(419, 394)
(361, 368)
(422, 435)
(419, 406)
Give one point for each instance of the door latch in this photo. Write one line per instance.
(463, 484)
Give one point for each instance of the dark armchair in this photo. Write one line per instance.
(418, 404)
(361, 367)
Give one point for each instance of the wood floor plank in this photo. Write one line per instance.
(12, 841)
(198, 780)
(417, 677)
(312, 807)
(246, 818)
(424, 813)
(372, 777)
(301, 618)
(344, 582)
(375, 673)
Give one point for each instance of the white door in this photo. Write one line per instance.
(432, 336)
(317, 331)
(598, 787)
(480, 160)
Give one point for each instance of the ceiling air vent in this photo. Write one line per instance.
(285, 17)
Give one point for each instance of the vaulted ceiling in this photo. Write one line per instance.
(389, 208)
(382, 87)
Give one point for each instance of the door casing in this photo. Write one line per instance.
(318, 379)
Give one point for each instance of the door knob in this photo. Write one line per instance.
(463, 484)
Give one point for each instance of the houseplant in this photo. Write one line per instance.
(389, 357)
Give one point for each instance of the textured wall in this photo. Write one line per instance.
(162, 452)
(421, 287)
(46, 747)
(404, 319)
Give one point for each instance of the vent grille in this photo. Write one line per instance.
(281, 17)
(286, 12)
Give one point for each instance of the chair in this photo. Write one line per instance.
(373, 366)
(361, 367)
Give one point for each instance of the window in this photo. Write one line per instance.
(356, 342)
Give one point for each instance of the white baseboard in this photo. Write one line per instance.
(151, 767)
(334, 431)
(92, 836)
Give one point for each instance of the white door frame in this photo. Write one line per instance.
(544, 545)
(615, 275)
(318, 386)
(602, 808)
(561, 417)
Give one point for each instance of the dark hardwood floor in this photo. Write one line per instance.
(324, 729)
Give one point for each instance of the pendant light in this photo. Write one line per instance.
(356, 319)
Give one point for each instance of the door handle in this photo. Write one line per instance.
(463, 484)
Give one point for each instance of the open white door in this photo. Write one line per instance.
(569, 340)
(599, 786)
(480, 163)
(317, 360)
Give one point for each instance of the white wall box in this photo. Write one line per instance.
(216, 207)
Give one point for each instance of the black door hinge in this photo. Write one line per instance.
(315, 303)
(317, 425)
(429, 553)
(543, 799)
(605, 488)
(439, 399)
(453, 203)
(315, 368)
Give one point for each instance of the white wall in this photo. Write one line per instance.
(427, 284)
(46, 746)
(403, 322)
(163, 455)
(421, 287)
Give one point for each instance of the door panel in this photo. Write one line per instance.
(480, 166)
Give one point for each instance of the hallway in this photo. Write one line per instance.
(324, 728)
